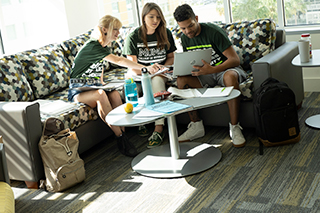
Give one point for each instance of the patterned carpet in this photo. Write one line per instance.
(283, 179)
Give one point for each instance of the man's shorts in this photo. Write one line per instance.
(211, 80)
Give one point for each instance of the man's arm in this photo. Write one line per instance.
(232, 61)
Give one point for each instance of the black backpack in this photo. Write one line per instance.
(275, 114)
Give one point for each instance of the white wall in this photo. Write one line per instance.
(311, 76)
(82, 15)
(29, 25)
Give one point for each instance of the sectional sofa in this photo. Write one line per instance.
(43, 73)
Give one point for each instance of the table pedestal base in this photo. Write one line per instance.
(194, 158)
(313, 121)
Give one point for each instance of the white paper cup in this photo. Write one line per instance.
(304, 49)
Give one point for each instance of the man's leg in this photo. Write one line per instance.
(185, 82)
(230, 78)
(195, 127)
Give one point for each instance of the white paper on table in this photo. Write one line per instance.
(217, 92)
(144, 113)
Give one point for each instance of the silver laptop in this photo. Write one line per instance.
(184, 61)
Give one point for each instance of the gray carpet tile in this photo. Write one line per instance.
(283, 179)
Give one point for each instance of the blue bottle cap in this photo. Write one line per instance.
(129, 81)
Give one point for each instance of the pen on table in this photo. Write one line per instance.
(223, 89)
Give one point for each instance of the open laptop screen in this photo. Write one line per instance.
(184, 61)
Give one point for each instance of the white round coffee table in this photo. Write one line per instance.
(174, 159)
(313, 121)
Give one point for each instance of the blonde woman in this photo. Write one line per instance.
(152, 43)
(88, 60)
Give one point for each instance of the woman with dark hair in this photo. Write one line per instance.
(89, 58)
(148, 44)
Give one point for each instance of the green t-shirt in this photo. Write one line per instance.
(145, 56)
(88, 59)
(211, 36)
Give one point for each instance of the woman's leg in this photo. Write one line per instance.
(158, 85)
(115, 101)
(105, 103)
(99, 99)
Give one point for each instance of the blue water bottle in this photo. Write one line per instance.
(146, 87)
(130, 91)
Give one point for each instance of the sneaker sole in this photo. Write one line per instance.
(188, 140)
(239, 145)
(184, 141)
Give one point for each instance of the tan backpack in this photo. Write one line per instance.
(59, 152)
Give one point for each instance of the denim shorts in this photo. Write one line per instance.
(74, 83)
(212, 80)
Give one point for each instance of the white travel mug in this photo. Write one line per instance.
(304, 49)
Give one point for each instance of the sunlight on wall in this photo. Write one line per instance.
(32, 24)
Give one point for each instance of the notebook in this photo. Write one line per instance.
(55, 107)
(184, 61)
(112, 85)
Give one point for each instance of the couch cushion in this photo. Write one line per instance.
(71, 47)
(251, 39)
(124, 32)
(13, 81)
(46, 69)
(74, 118)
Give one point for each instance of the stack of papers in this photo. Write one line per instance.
(168, 107)
(163, 108)
(147, 113)
(56, 107)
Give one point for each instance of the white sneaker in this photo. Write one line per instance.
(195, 130)
(236, 135)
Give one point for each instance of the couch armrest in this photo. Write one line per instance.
(21, 129)
(277, 64)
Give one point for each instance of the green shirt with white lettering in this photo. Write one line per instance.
(211, 36)
(89, 59)
(145, 56)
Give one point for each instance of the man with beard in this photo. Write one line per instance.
(223, 69)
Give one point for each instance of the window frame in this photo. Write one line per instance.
(290, 30)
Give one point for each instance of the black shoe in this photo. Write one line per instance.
(125, 146)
